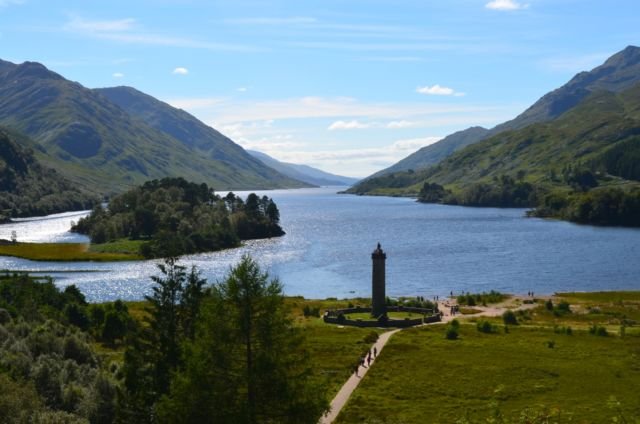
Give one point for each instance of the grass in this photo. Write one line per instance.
(422, 377)
(126, 246)
(334, 350)
(63, 252)
(366, 316)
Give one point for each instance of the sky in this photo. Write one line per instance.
(349, 86)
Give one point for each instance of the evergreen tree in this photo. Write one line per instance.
(246, 363)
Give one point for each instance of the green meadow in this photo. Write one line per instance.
(71, 252)
(536, 368)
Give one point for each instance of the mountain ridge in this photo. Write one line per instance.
(617, 73)
(100, 146)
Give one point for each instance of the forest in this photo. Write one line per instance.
(193, 353)
(172, 216)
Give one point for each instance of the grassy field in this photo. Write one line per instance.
(65, 252)
(421, 377)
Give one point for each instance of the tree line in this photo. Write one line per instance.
(172, 216)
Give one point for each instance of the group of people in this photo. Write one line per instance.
(365, 360)
(530, 294)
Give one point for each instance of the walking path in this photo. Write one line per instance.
(347, 389)
(345, 392)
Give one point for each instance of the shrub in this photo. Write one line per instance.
(455, 324)
(509, 318)
(370, 338)
(551, 344)
(451, 333)
(564, 307)
(598, 330)
(311, 312)
(485, 327)
(548, 305)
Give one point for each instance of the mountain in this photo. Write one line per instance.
(620, 72)
(99, 145)
(304, 173)
(27, 188)
(593, 147)
(434, 153)
(192, 133)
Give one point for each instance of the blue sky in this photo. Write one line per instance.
(350, 86)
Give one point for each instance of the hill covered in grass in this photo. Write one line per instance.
(106, 148)
(28, 188)
(619, 73)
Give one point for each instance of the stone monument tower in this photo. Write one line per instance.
(378, 297)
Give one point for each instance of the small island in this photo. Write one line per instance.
(172, 217)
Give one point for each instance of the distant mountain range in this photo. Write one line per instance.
(620, 72)
(27, 188)
(303, 173)
(108, 139)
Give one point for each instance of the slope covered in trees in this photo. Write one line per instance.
(27, 188)
(173, 217)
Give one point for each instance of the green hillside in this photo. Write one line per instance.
(27, 188)
(99, 146)
(196, 135)
(620, 72)
(591, 150)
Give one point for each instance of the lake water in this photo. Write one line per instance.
(431, 250)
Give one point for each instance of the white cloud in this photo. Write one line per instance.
(127, 31)
(195, 103)
(80, 24)
(295, 20)
(242, 89)
(574, 63)
(118, 75)
(401, 124)
(4, 3)
(505, 5)
(235, 110)
(180, 71)
(413, 144)
(347, 125)
(438, 90)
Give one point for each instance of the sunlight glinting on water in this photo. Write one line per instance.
(431, 250)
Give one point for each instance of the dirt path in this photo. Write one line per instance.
(345, 392)
(514, 303)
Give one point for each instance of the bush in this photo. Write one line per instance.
(598, 330)
(455, 324)
(451, 333)
(311, 312)
(551, 344)
(370, 338)
(564, 307)
(509, 318)
(548, 305)
(485, 327)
